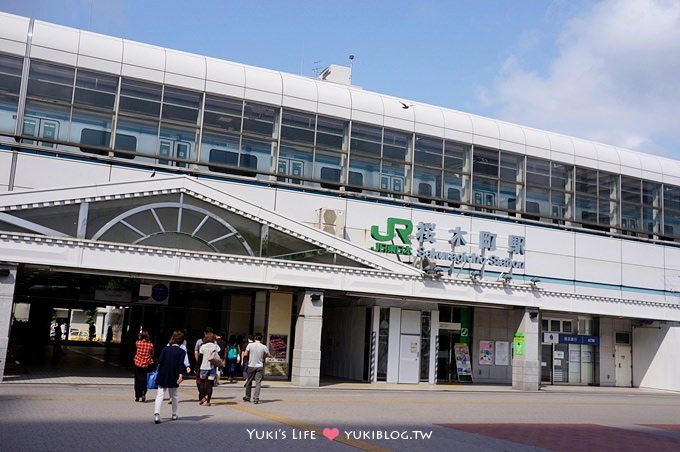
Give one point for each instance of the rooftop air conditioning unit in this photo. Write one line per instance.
(332, 221)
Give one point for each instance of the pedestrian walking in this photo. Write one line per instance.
(143, 360)
(233, 355)
(208, 371)
(244, 357)
(170, 369)
(256, 352)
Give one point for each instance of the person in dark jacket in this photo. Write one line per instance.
(170, 368)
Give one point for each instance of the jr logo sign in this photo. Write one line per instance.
(402, 228)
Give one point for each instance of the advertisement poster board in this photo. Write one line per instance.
(486, 352)
(502, 353)
(277, 347)
(462, 359)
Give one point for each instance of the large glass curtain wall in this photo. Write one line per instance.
(107, 115)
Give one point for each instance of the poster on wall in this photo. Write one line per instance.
(277, 347)
(462, 354)
(486, 352)
(502, 353)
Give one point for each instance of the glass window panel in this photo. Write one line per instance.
(538, 172)
(395, 145)
(651, 220)
(181, 105)
(96, 90)
(631, 189)
(586, 181)
(259, 119)
(46, 121)
(50, 81)
(367, 171)
(455, 188)
(510, 196)
(485, 162)
(10, 74)
(223, 113)
(298, 127)
(146, 132)
(559, 204)
(176, 142)
(296, 162)
(651, 194)
(586, 208)
(328, 168)
(428, 151)
(256, 154)
(366, 139)
(393, 176)
(485, 191)
(427, 182)
(671, 223)
(8, 112)
(456, 156)
(671, 197)
(538, 201)
(61, 218)
(512, 166)
(89, 125)
(561, 176)
(608, 185)
(630, 216)
(607, 211)
(555, 325)
(139, 97)
(219, 149)
(330, 132)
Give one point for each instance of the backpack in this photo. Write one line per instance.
(232, 352)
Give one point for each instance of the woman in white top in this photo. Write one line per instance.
(207, 370)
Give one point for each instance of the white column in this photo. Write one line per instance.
(526, 368)
(307, 349)
(434, 346)
(394, 343)
(7, 283)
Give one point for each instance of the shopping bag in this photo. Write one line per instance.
(151, 379)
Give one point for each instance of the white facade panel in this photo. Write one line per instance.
(642, 276)
(460, 122)
(550, 241)
(263, 80)
(364, 102)
(485, 132)
(299, 87)
(585, 154)
(334, 110)
(336, 95)
(537, 142)
(14, 28)
(13, 47)
(651, 167)
(598, 271)
(456, 135)
(655, 363)
(671, 258)
(394, 108)
(426, 129)
(305, 207)
(600, 248)
(426, 115)
(512, 137)
(99, 65)
(224, 89)
(56, 56)
(185, 82)
(645, 254)
(561, 144)
(562, 157)
(35, 172)
(370, 118)
(225, 72)
(297, 103)
(262, 96)
(100, 46)
(550, 265)
(5, 167)
(187, 64)
(151, 75)
(143, 55)
(396, 123)
(671, 172)
(55, 37)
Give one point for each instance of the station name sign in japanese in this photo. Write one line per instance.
(401, 229)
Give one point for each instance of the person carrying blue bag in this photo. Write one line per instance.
(170, 369)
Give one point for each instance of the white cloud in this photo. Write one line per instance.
(616, 79)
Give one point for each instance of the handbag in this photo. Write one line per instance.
(151, 379)
(215, 359)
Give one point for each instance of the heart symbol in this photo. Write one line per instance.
(331, 433)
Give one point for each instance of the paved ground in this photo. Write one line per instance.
(92, 411)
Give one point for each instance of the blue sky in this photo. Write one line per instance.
(605, 70)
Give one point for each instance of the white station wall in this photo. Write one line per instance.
(655, 358)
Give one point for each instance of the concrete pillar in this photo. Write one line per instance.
(307, 349)
(8, 276)
(526, 368)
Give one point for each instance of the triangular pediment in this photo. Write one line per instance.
(183, 214)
